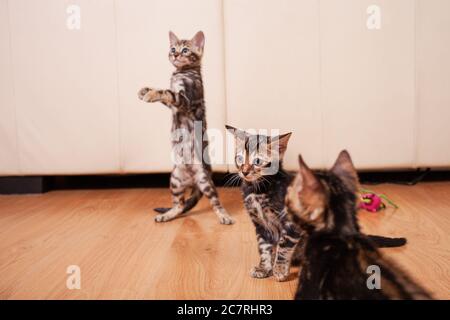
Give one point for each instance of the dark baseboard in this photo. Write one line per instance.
(23, 185)
(411, 177)
(153, 180)
(41, 184)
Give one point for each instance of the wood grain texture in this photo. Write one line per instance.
(124, 254)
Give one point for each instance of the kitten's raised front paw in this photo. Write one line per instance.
(259, 272)
(281, 272)
(226, 219)
(148, 95)
(143, 92)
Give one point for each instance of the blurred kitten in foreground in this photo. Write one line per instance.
(339, 261)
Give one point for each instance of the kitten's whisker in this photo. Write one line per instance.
(264, 180)
(236, 181)
(233, 180)
(229, 181)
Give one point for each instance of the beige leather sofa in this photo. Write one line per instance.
(68, 100)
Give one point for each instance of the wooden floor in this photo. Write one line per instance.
(124, 254)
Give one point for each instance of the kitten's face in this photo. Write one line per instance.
(255, 155)
(318, 202)
(186, 53)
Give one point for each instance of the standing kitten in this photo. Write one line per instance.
(337, 254)
(264, 192)
(185, 99)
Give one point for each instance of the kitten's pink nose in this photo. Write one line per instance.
(246, 170)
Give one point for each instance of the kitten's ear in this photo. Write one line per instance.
(281, 143)
(308, 179)
(311, 191)
(199, 41)
(231, 129)
(344, 169)
(237, 133)
(173, 38)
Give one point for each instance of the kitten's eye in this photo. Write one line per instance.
(239, 159)
(173, 50)
(185, 50)
(257, 161)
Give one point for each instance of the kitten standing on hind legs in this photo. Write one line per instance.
(185, 100)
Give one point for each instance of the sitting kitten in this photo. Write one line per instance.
(263, 193)
(185, 99)
(337, 254)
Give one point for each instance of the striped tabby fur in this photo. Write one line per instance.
(185, 100)
(280, 238)
(263, 195)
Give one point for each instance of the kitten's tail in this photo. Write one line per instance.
(189, 204)
(386, 242)
(161, 210)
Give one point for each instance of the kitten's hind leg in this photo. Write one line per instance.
(206, 186)
(177, 189)
(172, 213)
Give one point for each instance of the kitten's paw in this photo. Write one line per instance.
(281, 272)
(161, 218)
(258, 272)
(226, 219)
(143, 92)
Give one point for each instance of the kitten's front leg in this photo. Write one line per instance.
(285, 249)
(153, 95)
(265, 247)
(147, 94)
